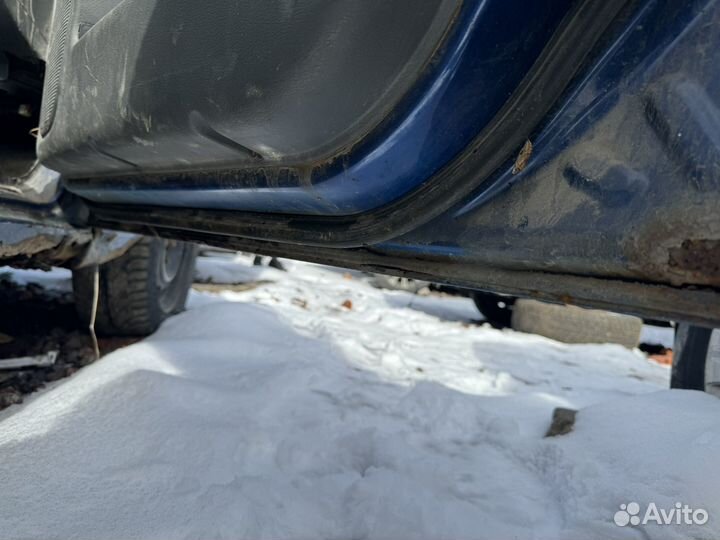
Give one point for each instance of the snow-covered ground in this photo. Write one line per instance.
(315, 406)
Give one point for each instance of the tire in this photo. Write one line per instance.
(696, 359)
(139, 289)
(572, 324)
(496, 308)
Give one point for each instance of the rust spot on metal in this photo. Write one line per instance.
(523, 157)
(701, 256)
(679, 245)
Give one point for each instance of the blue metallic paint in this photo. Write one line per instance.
(624, 179)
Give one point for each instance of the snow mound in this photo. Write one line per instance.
(280, 412)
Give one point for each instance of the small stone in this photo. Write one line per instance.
(563, 421)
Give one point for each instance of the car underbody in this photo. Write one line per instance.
(578, 165)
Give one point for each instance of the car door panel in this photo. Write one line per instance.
(568, 150)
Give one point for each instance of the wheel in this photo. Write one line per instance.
(139, 289)
(572, 324)
(696, 359)
(496, 308)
